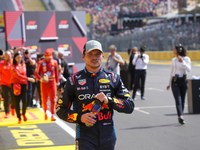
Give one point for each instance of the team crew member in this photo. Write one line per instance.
(30, 68)
(19, 81)
(40, 56)
(47, 73)
(5, 74)
(140, 61)
(181, 64)
(81, 89)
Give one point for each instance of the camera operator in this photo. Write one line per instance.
(30, 68)
(140, 61)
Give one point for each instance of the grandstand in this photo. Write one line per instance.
(157, 35)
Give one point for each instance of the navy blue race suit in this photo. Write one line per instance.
(80, 90)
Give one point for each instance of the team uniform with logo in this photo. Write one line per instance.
(80, 90)
(18, 75)
(5, 83)
(50, 71)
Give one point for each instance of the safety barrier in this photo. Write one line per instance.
(163, 55)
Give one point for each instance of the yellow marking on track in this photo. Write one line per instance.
(66, 147)
(35, 116)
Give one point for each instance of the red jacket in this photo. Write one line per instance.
(18, 74)
(5, 72)
(50, 68)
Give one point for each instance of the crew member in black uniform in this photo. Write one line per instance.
(81, 89)
(181, 64)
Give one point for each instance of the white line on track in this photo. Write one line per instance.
(154, 89)
(71, 131)
(169, 106)
(152, 107)
(59, 122)
(145, 112)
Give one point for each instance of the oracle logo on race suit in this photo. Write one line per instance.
(90, 96)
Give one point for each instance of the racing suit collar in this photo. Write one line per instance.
(93, 74)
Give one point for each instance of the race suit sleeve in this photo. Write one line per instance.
(38, 71)
(17, 75)
(122, 101)
(64, 103)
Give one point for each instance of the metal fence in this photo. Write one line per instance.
(162, 37)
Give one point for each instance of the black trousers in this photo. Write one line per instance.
(18, 98)
(132, 75)
(179, 90)
(30, 93)
(7, 98)
(140, 75)
(87, 145)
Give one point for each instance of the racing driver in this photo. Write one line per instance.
(94, 82)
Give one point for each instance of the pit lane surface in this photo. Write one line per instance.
(152, 126)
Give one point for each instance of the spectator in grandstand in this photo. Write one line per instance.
(19, 85)
(131, 67)
(140, 61)
(114, 60)
(181, 64)
(30, 68)
(5, 66)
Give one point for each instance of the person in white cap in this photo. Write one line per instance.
(82, 89)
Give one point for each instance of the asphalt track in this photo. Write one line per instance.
(152, 126)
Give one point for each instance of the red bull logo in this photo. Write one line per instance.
(118, 101)
(72, 117)
(87, 107)
(104, 106)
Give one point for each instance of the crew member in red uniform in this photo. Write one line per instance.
(5, 74)
(47, 73)
(19, 84)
